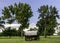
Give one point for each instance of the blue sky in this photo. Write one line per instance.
(35, 4)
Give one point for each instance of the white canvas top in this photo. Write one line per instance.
(30, 33)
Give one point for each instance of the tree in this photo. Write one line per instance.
(47, 19)
(20, 12)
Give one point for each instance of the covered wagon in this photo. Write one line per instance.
(31, 34)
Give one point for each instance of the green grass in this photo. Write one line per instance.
(52, 39)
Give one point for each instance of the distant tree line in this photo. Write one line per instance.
(10, 32)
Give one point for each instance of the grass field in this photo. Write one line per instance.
(52, 39)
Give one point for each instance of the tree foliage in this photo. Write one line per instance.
(47, 20)
(20, 12)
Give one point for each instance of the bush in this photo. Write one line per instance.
(10, 32)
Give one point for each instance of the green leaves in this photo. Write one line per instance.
(47, 19)
(6, 12)
(20, 12)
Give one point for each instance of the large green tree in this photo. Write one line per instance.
(47, 20)
(21, 13)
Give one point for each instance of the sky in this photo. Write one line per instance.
(35, 4)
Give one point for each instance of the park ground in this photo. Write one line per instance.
(50, 39)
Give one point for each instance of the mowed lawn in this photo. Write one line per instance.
(51, 39)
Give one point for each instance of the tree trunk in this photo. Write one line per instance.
(45, 33)
(21, 32)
